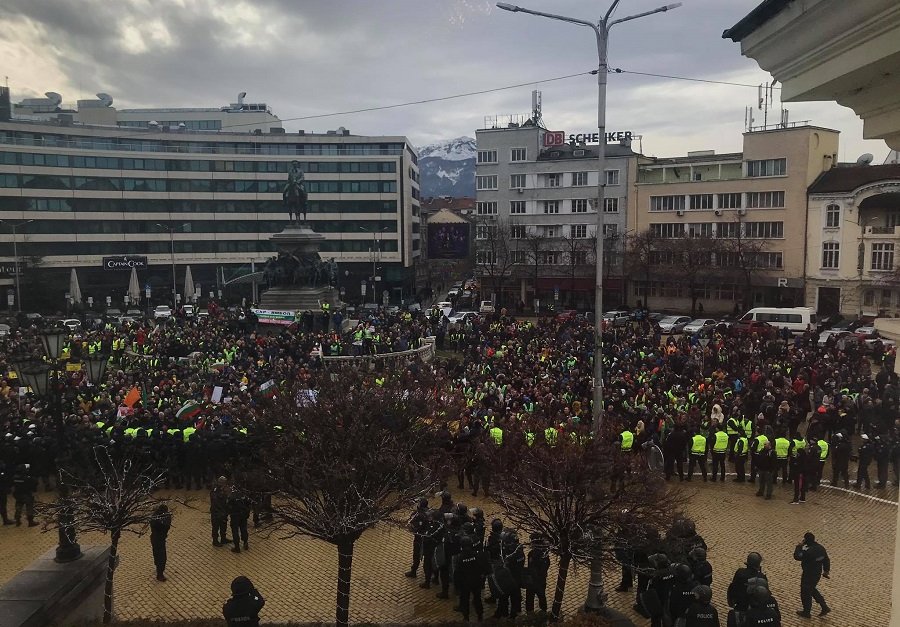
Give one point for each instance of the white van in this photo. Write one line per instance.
(796, 319)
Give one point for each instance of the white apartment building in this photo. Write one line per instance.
(536, 217)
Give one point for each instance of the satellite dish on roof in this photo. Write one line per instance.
(105, 99)
(865, 159)
(53, 97)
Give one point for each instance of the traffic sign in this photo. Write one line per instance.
(704, 341)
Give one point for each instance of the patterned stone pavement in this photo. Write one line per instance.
(297, 575)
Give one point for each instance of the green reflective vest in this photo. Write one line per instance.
(747, 426)
(721, 445)
(698, 446)
(731, 426)
(782, 447)
(761, 442)
(799, 443)
(823, 450)
(550, 435)
(187, 433)
(497, 435)
(627, 440)
(529, 438)
(740, 446)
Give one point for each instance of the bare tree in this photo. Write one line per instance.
(114, 495)
(579, 255)
(639, 259)
(494, 256)
(347, 454)
(689, 261)
(740, 256)
(579, 493)
(536, 247)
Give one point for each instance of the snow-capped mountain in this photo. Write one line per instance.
(447, 168)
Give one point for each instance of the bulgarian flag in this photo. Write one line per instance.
(189, 410)
(268, 389)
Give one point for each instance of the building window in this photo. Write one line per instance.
(551, 231)
(882, 257)
(869, 298)
(486, 232)
(487, 156)
(486, 257)
(730, 201)
(701, 201)
(518, 154)
(764, 230)
(765, 200)
(486, 208)
(667, 230)
(579, 205)
(666, 203)
(832, 217)
(549, 257)
(767, 167)
(578, 258)
(886, 297)
(519, 256)
(516, 207)
(486, 182)
(517, 231)
(578, 231)
(554, 180)
(610, 205)
(579, 179)
(517, 181)
(831, 255)
(551, 206)
(702, 229)
(769, 260)
(610, 230)
(612, 177)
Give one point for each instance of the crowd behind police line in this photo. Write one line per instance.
(537, 373)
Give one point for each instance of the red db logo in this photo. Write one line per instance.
(554, 138)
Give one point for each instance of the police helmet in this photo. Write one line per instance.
(241, 586)
(758, 582)
(476, 513)
(683, 572)
(702, 593)
(445, 495)
(423, 503)
(754, 560)
(435, 514)
(496, 525)
(759, 595)
(659, 560)
(461, 509)
(466, 542)
(698, 554)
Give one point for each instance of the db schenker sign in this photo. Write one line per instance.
(124, 263)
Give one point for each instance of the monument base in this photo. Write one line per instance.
(286, 298)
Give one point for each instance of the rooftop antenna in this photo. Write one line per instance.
(536, 108)
(748, 119)
(766, 98)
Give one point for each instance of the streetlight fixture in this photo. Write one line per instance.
(14, 226)
(375, 247)
(171, 229)
(47, 380)
(596, 598)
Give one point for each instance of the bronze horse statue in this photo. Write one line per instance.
(294, 194)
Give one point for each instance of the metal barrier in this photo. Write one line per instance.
(425, 353)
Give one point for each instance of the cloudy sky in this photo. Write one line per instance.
(313, 57)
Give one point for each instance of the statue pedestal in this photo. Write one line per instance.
(298, 240)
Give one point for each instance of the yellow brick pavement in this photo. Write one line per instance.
(297, 575)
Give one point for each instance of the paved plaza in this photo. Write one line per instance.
(297, 575)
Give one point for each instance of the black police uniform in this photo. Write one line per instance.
(218, 514)
(865, 453)
(24, 486)
(417, 523)
(538, 565)
(701, 615)
(469, 579)
(814, 561)
(239, 512)
(242, 609)
(159, 531)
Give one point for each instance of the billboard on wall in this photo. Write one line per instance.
(448, 241)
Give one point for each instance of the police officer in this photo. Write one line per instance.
(800, 463)
(864, 453)
(701, 612)
(159, 531)
(737, 591)
(699, 445)
(783, 448)
(659, 588)
(494, 551)
(759, 614)
(815, 564)
(700, 566)
(218, 511)
(719, 451)
(416, 525)
(24, 486)
(5, 483)
(242, 609)
(740, 451)
(432, 535)
(239, 513)
(538, 565)
(682, 594)
(509, 605)
(840, 458)
(468, 579)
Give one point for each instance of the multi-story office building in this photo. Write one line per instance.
(853, 234)
(79, 193)
(745, 212)
(536, 217)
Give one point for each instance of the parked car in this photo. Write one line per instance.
(189, 311)
(203, 313)
(4, 330)
(743, 328)
(162, 312)
(835, 333)
(487, 306)
(112, 312)
(699, 324)
(460, 317)
(414, 307)
(446, 307)
(656, 316)
(673, 324)
(867, 332)
(566, 315)
(134, 313)
(616, 318)
(452, 292)
(72, 324)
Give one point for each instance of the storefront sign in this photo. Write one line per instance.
(8, 268)
(272, 316)
(558, 138)
(124, 263)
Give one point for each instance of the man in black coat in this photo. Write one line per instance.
(24, 486)
(242, 609)
(218, 511)
(239, 512)
(417, 523)
(815, 564)
(701, 612)
(159, 531)
(674, 452)
(538, 565)
(469, 579)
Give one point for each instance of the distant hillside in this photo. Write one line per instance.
(448, 168)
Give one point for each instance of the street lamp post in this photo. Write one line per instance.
(47, 380)
(596, 598)
(171, 229)
(14, 226)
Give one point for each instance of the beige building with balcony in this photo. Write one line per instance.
(853, 230)
(756, 197)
